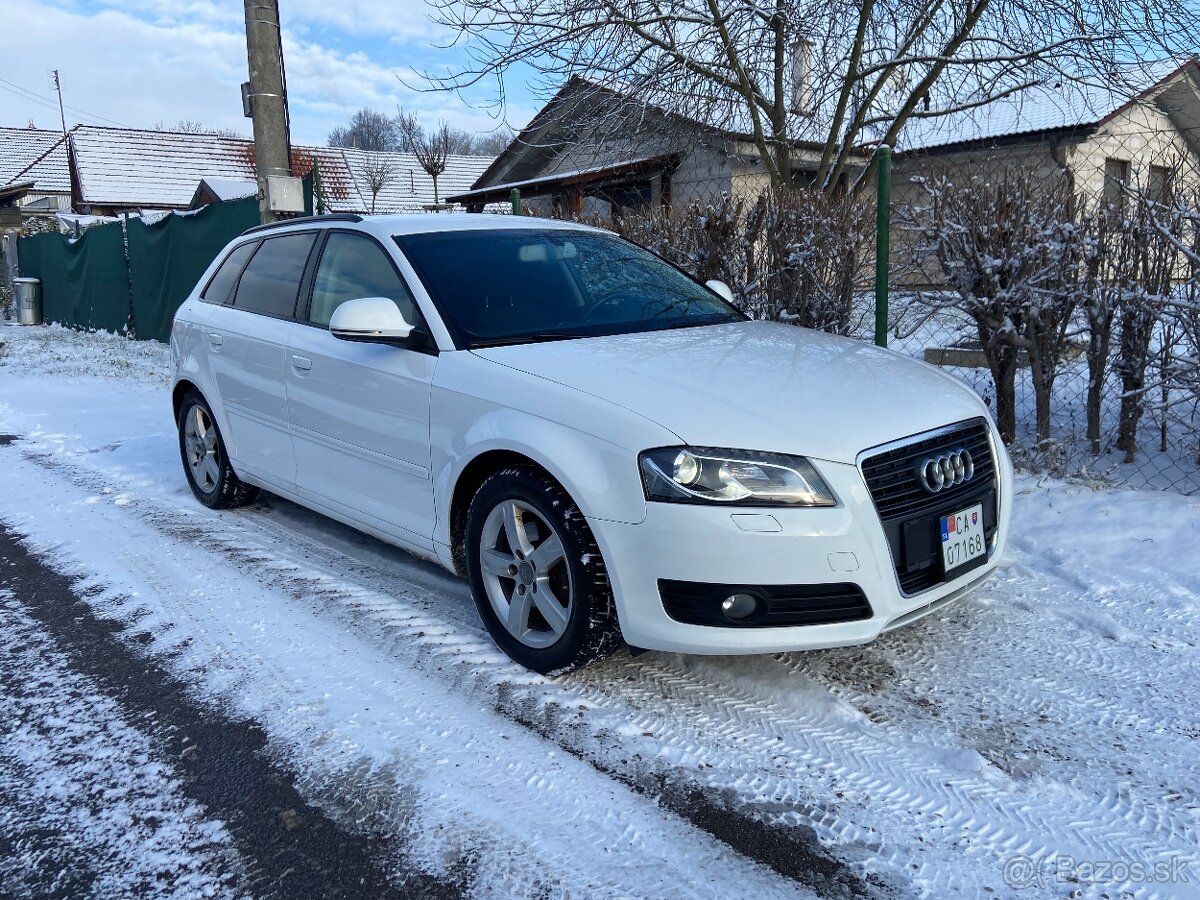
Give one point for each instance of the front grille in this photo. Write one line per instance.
(696, 603)
(892, 475)
(909, 512)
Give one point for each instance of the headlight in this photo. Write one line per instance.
(742, 477)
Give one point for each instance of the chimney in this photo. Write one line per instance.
(802, 99)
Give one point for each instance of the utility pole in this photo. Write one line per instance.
(268, 106)
(61, 115)
(62, 118)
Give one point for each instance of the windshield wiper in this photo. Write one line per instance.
(523, 339)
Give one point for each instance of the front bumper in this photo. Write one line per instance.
(845, 544)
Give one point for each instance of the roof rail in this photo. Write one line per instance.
(304, 220)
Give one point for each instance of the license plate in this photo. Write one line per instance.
(962, 538)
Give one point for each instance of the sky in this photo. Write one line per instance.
(139, 63)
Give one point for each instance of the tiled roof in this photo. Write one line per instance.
(37, 155)
(1049, 107)
(407, 188)
(130, 168)
(230, 188)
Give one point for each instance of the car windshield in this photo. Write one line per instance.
(509, 286)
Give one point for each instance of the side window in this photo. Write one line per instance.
(220, 287)
(353, 266)
(271, 281)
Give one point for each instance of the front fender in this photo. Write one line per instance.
(589, 445)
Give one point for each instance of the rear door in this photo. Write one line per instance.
(360, 412)
(247, 349)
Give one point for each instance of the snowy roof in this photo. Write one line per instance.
(127, 167)
(406, 187)
(230, 188)
(562, 177)
(1047, 107)
(37, 155)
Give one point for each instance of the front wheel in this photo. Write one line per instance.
(209, 473)
(537, 575)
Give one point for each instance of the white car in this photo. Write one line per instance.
(605, 447)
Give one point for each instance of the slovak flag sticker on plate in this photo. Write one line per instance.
(948, 524)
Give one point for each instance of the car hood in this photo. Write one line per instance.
(756, 385)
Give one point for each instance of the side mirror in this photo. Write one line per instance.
(372, 320)
(720, 288)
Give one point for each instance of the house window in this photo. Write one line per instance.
(1160, 185)
(1116, 175)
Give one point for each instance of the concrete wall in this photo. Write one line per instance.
(913, 266)
(1143, 135)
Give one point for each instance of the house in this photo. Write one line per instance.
(39, 156)
(1091, 139)
(1087, 134)
(117, 170)
(595, 150)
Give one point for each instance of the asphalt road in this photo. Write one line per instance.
(285, 847)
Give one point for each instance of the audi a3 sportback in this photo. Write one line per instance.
(603, 446)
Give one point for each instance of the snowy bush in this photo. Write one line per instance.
(1010, 250)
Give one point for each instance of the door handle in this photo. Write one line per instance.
(301, 363)
(214, 339)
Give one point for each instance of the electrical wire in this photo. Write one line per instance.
(26, 94)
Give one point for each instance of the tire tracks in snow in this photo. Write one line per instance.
(465, 814)
(157, 784)
(716, 738)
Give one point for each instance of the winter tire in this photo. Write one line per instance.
(205, 461)
(537, 575)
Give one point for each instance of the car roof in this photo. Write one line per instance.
(385, 226)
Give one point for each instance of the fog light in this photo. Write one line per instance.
(739, 606)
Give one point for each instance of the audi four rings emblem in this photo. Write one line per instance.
(941, 472)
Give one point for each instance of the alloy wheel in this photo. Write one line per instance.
(203, 452)
(525, 574)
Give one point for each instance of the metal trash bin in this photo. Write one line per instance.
(29, 301)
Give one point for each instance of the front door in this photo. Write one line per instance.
(359, 413)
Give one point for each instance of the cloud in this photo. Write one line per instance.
(141, 62)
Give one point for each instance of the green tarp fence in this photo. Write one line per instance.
(129, 276)
(167, 258)
(85, 282)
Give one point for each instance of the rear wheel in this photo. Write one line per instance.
(205, 462)
(537, 575)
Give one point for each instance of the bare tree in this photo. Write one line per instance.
(368, 130)
(430, 148)
(493, 143)
(188, 126)
(379, 171)
(841, 73)
(1147, 290)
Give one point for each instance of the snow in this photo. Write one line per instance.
(37, 155)
(87, 792)
(1049, 715)
(128, 167)
(1043, 107)
(230, 188)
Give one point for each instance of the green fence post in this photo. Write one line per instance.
(130, 323)
(515, 196)
(318, 197)
(883, 225)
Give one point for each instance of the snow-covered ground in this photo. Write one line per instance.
(1039, 738)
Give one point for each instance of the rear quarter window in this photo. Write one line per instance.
(220, 286)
